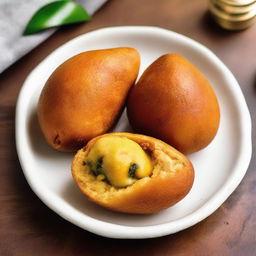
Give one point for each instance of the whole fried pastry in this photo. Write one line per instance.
(85, 96)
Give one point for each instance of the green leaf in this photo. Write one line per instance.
(55, 14)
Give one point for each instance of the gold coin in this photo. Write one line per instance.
(230, 17)
(235, 25)
(232, 25)
(238, 2)
(233, 15)
(232, 9)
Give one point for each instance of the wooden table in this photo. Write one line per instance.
(28, 227)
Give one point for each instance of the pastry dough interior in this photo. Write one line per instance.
(163, 164)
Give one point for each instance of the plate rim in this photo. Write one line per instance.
(112, 230)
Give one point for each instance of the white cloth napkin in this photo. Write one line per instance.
(14, 16)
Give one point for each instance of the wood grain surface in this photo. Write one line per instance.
(28, 227)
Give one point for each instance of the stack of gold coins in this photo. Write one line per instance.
(233, 14)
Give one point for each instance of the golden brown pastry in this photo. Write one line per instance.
(174, 102)
(85, 95)
(132, 173)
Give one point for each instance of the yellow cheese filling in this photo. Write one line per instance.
(118, 160)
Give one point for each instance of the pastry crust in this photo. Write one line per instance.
(174, 102)
(171, 180)
(84, 96)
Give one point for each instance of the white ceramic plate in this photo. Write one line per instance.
(219, 168)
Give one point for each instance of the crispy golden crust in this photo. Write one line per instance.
(84, 96)
(172, 179)
(174, 102)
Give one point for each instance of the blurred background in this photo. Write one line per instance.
(27, 227)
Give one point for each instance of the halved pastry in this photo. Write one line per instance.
(132, 173)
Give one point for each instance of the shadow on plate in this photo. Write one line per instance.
(40, 146)
(38, 142)
(122, 124)
(72, 195)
